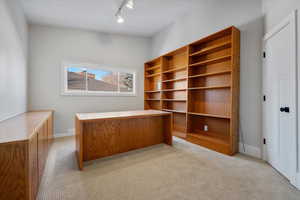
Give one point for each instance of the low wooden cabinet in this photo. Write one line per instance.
(24, 144)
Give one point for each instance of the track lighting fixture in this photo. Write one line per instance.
(129, 4)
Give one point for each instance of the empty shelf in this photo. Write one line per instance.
(171, 90)
(175, 111)
(209, 115)
(211, 74)
(152, 99)
(173, 80)
(152, 91)
(215, 60)
(152, 75)
(174, 69)
(210, 137)
(210, 87)
(152, 68)
(211, 49)
(174, 99)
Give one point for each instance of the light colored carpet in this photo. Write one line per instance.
(184, 172)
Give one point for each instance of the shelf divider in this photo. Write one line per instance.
(210, 61)
(175, 79)
(174, 100)
(175, 69)
(153, 68)
(152, 99)
(153, 91)
(210, 87)
(210, 49)
(172, 90)
(152, 75)
(175, 111)
(209, 115)
(211, 74)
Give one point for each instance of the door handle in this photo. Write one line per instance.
(285, 109)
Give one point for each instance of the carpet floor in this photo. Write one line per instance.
(184, 172)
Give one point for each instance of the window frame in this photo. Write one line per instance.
(64, 80)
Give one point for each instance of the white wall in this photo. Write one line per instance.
(276, 10)
(211, 16)
(50, 46)
(13, 62)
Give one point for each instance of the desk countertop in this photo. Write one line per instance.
(123, 114)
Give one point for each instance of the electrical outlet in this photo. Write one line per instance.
(205, 128)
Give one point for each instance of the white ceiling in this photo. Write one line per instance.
(148, 17)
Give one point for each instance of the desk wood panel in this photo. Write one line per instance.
(13, 171)
(109, 137)
(105, 137)
(42, 150)
(79, 142)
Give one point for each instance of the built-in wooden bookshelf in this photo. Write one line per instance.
(199, 84)
(174, 88)
(152, 83)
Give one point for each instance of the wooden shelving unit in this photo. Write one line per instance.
(152, 84)
(199, 84)
(174, 88)
(209, 115)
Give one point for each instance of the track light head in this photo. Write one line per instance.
(120, 19)
(130, 4)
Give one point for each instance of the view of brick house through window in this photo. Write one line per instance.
(99, 80)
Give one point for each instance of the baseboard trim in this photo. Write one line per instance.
(297, 184)
(250, 150)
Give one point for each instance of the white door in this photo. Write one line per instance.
(279, 112)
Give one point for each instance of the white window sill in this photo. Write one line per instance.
(101, 94)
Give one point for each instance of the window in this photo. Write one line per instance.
(88, 79)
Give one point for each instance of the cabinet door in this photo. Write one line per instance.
(41, 151)
(33, 167)
(46, 141)
(12, 171)
(50, 129)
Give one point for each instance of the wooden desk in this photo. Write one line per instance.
(24, 144)
(104, 134)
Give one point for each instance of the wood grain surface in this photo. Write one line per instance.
(13, 175)
(122, 114)
(33, 173)
(23, 154)
(105, 137)
(22, 127)
(201, 79)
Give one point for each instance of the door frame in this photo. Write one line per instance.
(290, 20)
